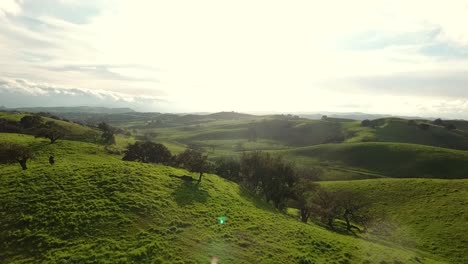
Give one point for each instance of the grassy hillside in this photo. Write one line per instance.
(386, 159)
(74, 131)
(405, 131)
(229, 133)
(93, 207)
(428, 214)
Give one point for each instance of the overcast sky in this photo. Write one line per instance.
(397, 57)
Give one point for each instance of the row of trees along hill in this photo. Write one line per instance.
(269, 177)
(41, 125)
(34, 125)
(150, 152)
(279, 182)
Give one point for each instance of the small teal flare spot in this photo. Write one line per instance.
(222, 220)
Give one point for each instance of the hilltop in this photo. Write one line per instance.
(91, 206)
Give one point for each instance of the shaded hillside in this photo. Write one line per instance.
(387, 159)
(92, 207)
(410, 131)
(427, 214)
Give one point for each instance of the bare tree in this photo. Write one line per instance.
(325, 205)
(354, 208)
(304, 192)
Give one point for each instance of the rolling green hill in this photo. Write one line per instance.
(231, 137)
(93, 207)
(226, 134)
(422, 213)
(385, 159)
(73, 131)
(408, 131)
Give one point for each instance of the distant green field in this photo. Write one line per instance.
(427, 214)
(386, 159)
(92, 207)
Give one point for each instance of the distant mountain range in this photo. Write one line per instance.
(353, 115)
(77, 109)
(107, 110)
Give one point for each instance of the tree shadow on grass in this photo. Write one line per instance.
(189, 192)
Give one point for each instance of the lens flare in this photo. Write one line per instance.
(222, 220)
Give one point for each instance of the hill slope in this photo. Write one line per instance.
(408, 131)
(386, 159)
(429, 214)
(93, 207)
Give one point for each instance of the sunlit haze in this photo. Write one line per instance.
(391, 57)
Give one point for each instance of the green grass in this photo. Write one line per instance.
(428, 214)
(11, 116)
(92, 207)
(402, 131)
(386, 159)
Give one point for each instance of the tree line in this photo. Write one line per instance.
(281, 183)
(150, 152)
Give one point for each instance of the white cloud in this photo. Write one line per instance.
(218, 55)
(9, 7)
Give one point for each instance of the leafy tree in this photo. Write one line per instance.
(103, 126)
(438, 122)
(194, 161)
(268, 176)
(11, 153)
(278, 185)
(9, 126)
(31, 121)
(108, 137)
(147, 152)
(228, 168)
(253, 166)
(51, 131)
(304, 192)
(366, 123)
(108, 132)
